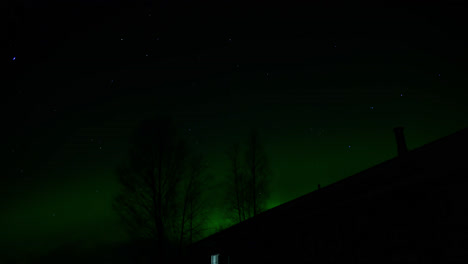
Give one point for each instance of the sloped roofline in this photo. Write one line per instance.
(411, 153)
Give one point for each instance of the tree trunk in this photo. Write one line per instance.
(158, 220)
(182, 226)
(236, 175)
(253, 176)
(191, 219)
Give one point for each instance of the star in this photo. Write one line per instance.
(121, 38)
(372, 108)
(14, 58)
(100, 147)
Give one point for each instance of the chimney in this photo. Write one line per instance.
(400, 139)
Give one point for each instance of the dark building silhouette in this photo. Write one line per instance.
(411, 208)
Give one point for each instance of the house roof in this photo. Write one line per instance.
(366, 180)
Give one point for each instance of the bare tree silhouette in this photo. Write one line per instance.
(236, 193)
(161, 186)
(258, 173)
(194, 204)
(248, 179)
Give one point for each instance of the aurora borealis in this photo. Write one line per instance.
(324, 85)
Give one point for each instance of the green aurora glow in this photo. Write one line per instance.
(323, 114)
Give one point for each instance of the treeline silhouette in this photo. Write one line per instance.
(166, 193)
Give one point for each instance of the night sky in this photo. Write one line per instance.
(324, 84)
